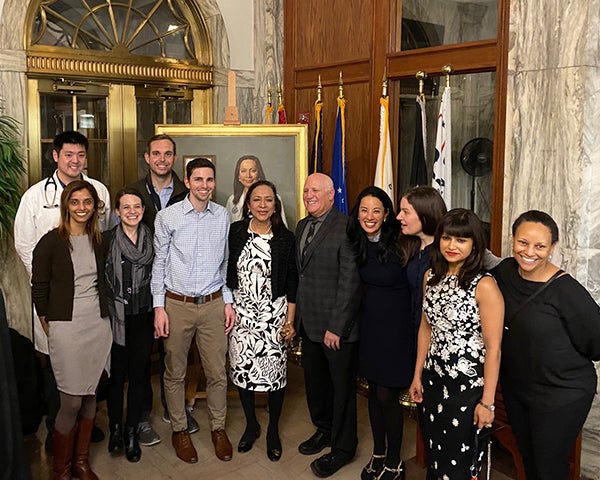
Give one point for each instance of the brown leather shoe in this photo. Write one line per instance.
(184, 448)
(223, 448)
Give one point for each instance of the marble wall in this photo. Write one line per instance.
(251, 91)
(552, 137)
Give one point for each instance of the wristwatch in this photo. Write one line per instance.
(491, 408)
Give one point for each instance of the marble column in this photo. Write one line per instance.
(552, 158)
(14, 280)
(268, 59)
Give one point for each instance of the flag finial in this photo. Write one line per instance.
(269, 94)
(319, 90)
(279, 94)
(421, 76)
(340, 87)
(384, 83)
(447, 70)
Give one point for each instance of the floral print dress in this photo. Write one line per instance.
(257, 356)
(452, 376)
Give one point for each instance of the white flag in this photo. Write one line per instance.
(442, 164)
(384, 174)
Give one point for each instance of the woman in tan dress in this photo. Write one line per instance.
(69, 293)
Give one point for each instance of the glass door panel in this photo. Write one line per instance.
(473, 98)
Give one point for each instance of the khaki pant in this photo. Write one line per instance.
(205, 322)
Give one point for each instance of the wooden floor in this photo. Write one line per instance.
(159, 462)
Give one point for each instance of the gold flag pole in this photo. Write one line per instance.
(384, 85)
(319, 90)
(340, 87)
(421, 76)
(447, 70)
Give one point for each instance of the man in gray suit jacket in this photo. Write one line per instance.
(326, 315)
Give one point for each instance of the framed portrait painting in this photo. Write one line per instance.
(278, 152)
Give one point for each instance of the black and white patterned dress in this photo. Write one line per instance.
(257, 356)
(452, 377)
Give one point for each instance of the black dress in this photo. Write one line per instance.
(452, 376)
(387, 354)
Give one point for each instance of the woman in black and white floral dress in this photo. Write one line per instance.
(262, 274)
(458, 353)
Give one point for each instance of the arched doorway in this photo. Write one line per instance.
(113, 70)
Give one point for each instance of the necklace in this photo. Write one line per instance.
(254, 230)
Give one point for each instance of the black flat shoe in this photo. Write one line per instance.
(115, 439)
(273, 447)
(133, 452)
(247, 440)
(315, 444)
(329, 463)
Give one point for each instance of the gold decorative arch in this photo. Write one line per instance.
(157, 41)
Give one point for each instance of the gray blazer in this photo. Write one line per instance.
(328, 288)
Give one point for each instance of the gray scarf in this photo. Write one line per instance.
(140, 256)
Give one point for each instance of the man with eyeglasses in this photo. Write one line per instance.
(160, 188)
(38, 213)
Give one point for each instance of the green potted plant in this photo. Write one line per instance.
(12, 169)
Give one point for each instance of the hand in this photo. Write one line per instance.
(161, 322)
(45, 325)
(416, 391)
(229, 318)
(483, 417)
(288, 332)
(331, 340)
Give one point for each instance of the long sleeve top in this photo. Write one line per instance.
(190, 252)
(284, 274)
(549, 344)
(53, 280)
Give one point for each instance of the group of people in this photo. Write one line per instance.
(413, 300)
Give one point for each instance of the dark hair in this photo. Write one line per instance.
(459, 222)
(238, 188)
(430, 208)
(71, 137)
(536, 216)
(387, 245)
(160, 136)
(127, 191)
(277, 225)
(199, 162)
(91, 227)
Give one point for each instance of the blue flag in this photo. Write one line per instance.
(338, 163)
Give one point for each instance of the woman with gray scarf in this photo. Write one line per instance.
(128, 271)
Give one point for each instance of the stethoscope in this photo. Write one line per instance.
(50, 182)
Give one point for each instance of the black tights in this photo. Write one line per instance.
(71, 407)
(387, 422)
(275, 407)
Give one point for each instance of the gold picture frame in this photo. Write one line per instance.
(282, 150)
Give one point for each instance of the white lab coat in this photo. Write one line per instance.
(36, 216)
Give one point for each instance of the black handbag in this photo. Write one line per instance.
(481, 446)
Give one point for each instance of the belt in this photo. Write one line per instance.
(196, 300)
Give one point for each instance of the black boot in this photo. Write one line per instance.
(115, 440)
(133, 452)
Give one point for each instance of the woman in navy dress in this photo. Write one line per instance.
(386, 331)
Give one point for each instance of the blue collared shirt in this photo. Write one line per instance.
(191, 251)
(165, 194)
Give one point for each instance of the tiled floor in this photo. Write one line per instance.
(159, 462)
